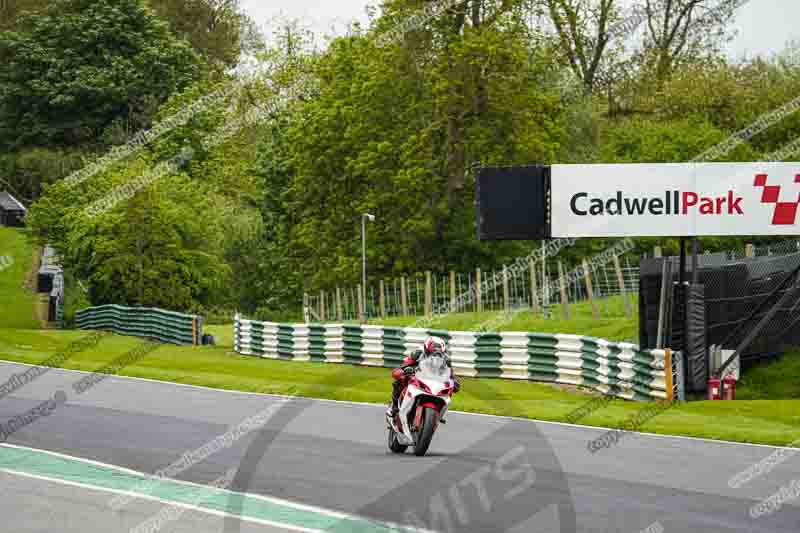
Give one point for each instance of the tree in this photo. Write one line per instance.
(149, 253)
(395, 130)
(582, 27)
(684, 29)
(217, 29)
(73, 69)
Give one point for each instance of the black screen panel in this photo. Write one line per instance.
(513, 203)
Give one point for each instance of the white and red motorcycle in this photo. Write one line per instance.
(423, 405)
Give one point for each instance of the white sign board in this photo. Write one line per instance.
(675, 199)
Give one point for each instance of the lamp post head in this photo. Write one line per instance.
(369, 217)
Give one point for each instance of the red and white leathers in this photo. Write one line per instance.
(410, 363)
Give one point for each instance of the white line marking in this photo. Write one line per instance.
(269, 499)
(383, 406)
(163, 501)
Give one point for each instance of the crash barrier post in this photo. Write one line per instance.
(619, 369)
(165, 326)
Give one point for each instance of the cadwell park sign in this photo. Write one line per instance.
(675, 200)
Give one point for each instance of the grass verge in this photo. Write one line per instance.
(777, 379)
(17, 303)
(758, 421)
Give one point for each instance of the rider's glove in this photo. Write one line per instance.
(456, 386)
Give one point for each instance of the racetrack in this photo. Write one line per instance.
(482, 473)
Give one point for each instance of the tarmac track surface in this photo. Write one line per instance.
(482, 473)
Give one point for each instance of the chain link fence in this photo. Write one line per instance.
(750, 294)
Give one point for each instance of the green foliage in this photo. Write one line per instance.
(73, 69)
(381, 121)
(212, 27)
(394, 132)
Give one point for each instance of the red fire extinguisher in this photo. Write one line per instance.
(729, 392)
(714, 386)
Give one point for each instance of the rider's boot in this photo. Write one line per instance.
(394, 409)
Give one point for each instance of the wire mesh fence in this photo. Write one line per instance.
(750, 294)
(755, 292)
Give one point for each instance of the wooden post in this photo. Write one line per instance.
(621, 281)
(506, 302)
(453, 292)
(428, 294)
(657, 251)
(749, 250)
(562, 283)
(382, 299)
(534, 291)
(403, 296)
(361, 316)
(305, 308)
(322, 306)
(587, 276)
(478, 291)
(338, 305)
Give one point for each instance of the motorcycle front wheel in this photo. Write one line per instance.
(430, 418)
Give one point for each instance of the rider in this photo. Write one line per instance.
(429, 346)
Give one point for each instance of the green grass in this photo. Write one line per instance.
(760, 421)
(779, 379)
(613, 325)
(16, 302)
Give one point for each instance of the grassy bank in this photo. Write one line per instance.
(612, 324)
(778, 379)
(769, 422)
(17, 303)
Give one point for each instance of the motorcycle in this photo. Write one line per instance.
(424, 403)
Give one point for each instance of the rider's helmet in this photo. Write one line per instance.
(433, 345)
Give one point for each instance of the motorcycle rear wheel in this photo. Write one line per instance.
(425, 434)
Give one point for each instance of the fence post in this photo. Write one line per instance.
(506, 302)
(452, 291)
(382, 299)
(587, 276)
(305, 308)
(322, 306)
(656, 251)
(338, 305)
(478, 291)
(534, 292)
(362, 317)
(621, 281)
(749, 250)
(403, 296)
(562, 284)
(428, 294)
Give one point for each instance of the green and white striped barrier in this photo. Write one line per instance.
(165, 326)
(619, 369)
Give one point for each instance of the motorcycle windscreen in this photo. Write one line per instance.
(434, 367)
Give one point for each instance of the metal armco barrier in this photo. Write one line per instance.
(618, 369)
(165, 326)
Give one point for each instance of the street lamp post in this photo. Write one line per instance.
(364, 218)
